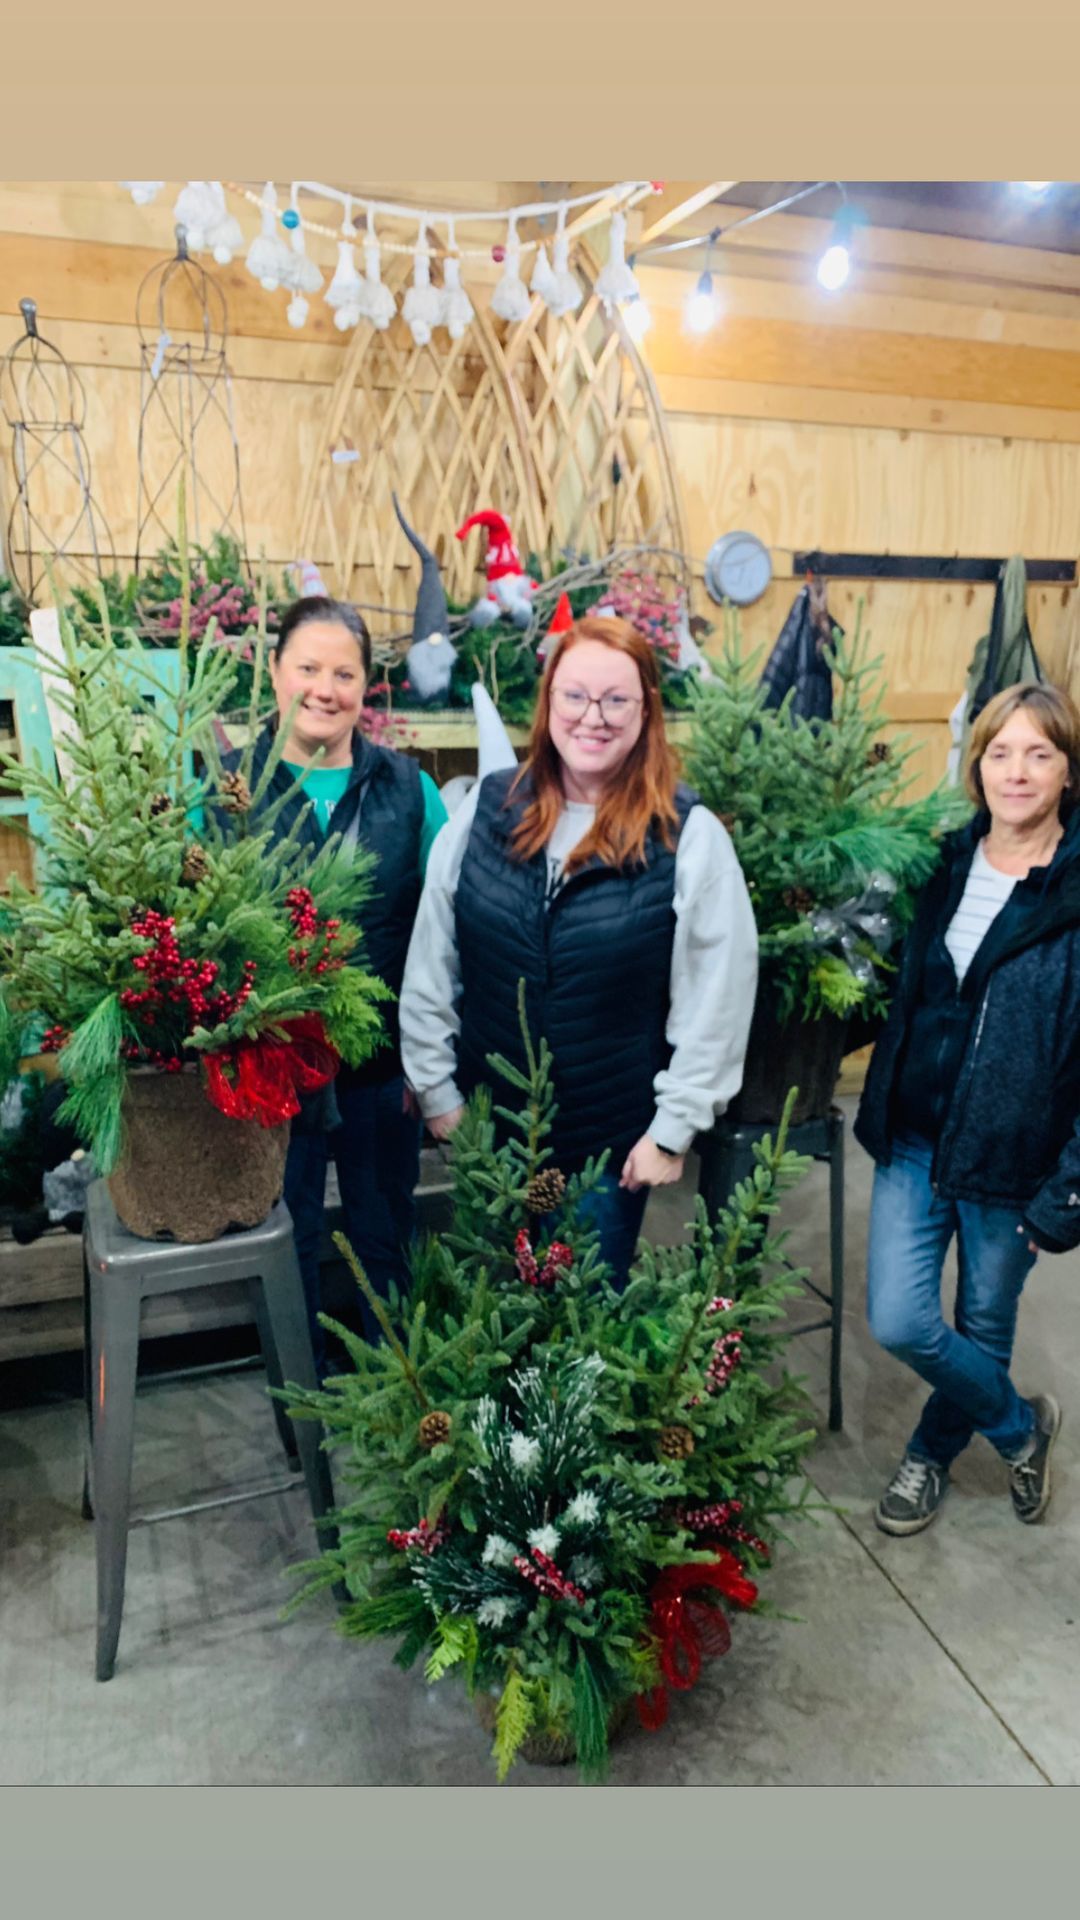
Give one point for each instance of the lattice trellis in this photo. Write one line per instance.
(553, 422)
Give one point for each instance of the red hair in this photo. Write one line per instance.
(643, 790)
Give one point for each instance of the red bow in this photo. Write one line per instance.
(689, 1630)
(260, 1079)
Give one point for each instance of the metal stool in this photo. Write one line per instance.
(120, 1272)
(727, 1156)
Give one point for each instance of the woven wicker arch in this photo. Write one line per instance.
(535, 420)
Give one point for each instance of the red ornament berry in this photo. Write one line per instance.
(498, 254)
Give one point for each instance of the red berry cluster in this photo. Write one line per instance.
(726, 1353)
(558, 1257)
(546, 1578)
(426, 1539)
(54, 1038)
(720, 1519)
(178, 983)
(321, 933)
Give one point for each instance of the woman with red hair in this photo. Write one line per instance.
(592, 874)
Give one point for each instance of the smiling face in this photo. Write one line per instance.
(1023, 774)
(321, 664)
(593, 743)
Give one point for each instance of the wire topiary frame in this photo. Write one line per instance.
(186, 422)
(54, 516)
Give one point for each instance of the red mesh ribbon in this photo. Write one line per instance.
(690, 1630)
(261, 1079)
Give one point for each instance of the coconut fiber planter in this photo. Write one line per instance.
(807, 1054)
(188, 1173)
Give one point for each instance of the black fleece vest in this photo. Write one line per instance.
(596, 961)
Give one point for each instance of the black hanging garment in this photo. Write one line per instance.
(798, 658)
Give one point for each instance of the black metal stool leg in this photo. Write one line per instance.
(836, 1257)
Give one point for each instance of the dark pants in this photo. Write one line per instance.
(377, 1150)
(616, 1214)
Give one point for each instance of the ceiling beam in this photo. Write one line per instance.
(681, 203)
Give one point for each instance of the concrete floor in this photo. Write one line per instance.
(949, 1658)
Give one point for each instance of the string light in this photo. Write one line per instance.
(702, 305)
(834, 266)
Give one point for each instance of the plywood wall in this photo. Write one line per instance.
(932, 407)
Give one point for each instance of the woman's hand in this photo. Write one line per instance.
(441, 1125)
(646, 1166)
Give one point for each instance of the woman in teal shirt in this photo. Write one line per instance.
(382, 804)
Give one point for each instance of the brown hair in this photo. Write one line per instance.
(644, 789)
(1053, 711)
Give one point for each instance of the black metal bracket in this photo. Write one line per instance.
(892, 566)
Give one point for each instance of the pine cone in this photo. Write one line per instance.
(676, 1443)
(798, 899)
(159, 804)
(434, 1429)
(545, 1191)
(235, 793)
(727, 820)
(196, 865)
(878, 752)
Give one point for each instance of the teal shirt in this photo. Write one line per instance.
(325, 786)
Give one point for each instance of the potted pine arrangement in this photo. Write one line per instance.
(556, 1493)
(193, 980)
(834, 851)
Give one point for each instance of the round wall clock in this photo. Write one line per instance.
(738, 568)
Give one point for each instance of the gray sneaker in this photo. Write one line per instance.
(1029, 1480)
(912, 1497)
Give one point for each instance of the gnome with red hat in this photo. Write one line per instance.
(509, 589)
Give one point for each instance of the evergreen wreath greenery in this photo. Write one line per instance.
(817, 810)
(523, 1548)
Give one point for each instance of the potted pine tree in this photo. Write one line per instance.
(551, 1490)
(192, 979)
(833, 850)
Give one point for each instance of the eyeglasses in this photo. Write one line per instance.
(573, 703)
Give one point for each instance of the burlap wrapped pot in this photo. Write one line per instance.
(187, 1172)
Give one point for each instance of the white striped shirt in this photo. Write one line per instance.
(984, 896)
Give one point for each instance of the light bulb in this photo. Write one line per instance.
(834, 267)
(637, 318)
(702, 306)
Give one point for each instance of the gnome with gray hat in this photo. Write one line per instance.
(430, 659)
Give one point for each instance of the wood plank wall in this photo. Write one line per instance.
(932, 406)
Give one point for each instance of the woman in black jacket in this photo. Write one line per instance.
(382, 804)
(972, 1104)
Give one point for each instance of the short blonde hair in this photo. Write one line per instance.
(1053, 711)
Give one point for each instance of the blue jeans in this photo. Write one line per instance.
(966, 1365)
(616, 1214)
(377, 1149)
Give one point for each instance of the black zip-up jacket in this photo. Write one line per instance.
(991, 1071)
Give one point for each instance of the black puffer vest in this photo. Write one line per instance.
(385, 787)
(596, 961)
